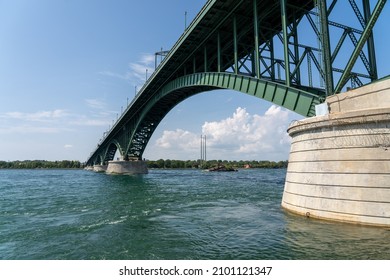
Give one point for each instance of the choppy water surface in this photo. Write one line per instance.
(167, 214)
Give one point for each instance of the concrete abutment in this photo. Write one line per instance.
(339, 164)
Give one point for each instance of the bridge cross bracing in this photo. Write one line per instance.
(255, 47)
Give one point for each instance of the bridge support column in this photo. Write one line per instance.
(339, 165)
(127, 167)
(99, 168)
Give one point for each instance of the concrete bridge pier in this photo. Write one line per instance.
(127, 167)
(99, 168)
(339, 164)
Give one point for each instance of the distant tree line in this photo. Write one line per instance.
(177, 164)
(33, 164)
(161, 163)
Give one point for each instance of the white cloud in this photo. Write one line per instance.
(147, 59)
(112, 74)
(179, 138)
(28, 129)
(41, 122)
(245, 134)
(241, 136)
(37, 116)
(98, 115)
(68, 146)
(95, 103)
(51, 122)
(137, 71)
(136, 74)
(85, 121)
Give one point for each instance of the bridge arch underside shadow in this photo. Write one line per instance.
(300, 101)
(108, 153)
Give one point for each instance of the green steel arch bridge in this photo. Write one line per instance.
(257, 47)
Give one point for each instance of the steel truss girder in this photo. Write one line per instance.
(360, 44)
(252, 62)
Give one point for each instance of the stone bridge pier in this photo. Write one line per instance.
(339, 164)
(127, 167)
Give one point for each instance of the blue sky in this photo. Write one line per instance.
(68, 67)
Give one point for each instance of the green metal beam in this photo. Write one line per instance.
(219, 52)
(325, 40)
(235, 43)
(194, 64)
(256, 37)
(363, 39)
(285, 41)
(370, 42)
(273, 75)
(297, 71)
(205, 59)
(297, 100)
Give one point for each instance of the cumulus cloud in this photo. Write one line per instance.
(178, 139)
(249, 134)
(241, 136)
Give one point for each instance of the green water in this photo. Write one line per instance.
(167, 214)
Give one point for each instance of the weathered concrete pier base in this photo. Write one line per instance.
(127, 167)
(339, 165)
(99, 168)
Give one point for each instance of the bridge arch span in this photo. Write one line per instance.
(297, 100)
(98, 160)
(109, 153)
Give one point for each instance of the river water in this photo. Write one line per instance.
(167, 214)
